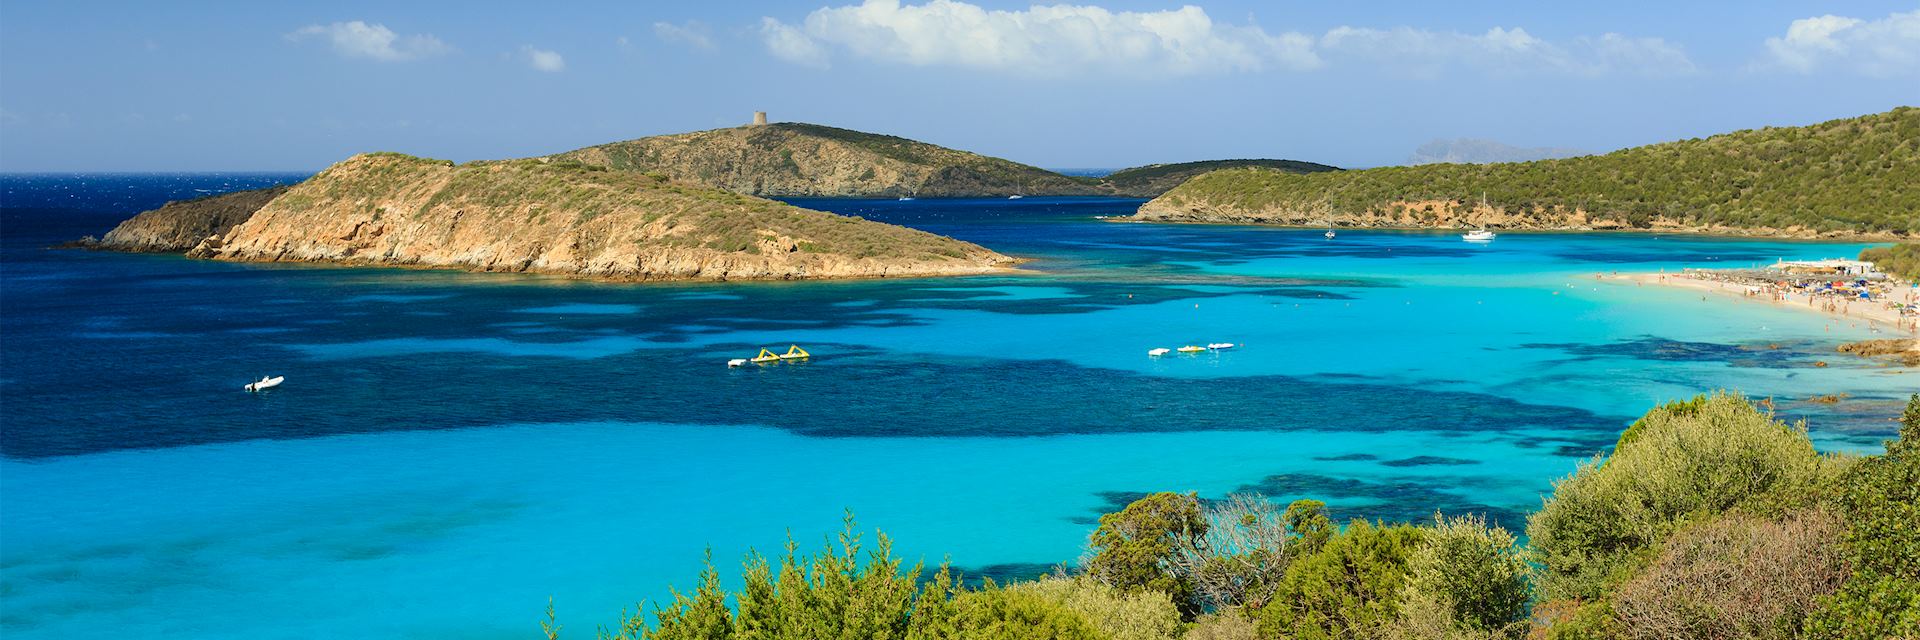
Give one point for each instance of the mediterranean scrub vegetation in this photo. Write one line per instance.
(1901, 260)
(1709, 519)
(1852, 175)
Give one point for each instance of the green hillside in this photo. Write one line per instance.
(1855, 175)
(1155, 179)
(797, 159)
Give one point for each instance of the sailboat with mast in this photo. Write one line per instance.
(1481, 234)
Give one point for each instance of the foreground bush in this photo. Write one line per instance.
(1467, 580)
(1135, 548)
(1350, 589)
(1138, 615)
(1881, 499)
(1684, 463)
(1736, 577)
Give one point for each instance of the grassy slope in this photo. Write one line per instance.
(1901, 260)
(530, 193)
(1851, 175)
(750, 159)
(779, 158)
(1154, 179)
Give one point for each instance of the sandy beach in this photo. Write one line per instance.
(1870, 314)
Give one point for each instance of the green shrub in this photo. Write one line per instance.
(1685, 465)
(1351, 588)
(1135, 548)
(1117, 615)
(1735, 577)
(1881, 499)
(994, 613)
(1223, 625)
(1901, 260)
(1465, 580)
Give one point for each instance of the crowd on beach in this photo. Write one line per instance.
(1842, 295)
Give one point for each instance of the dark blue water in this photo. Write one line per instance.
(450, 449)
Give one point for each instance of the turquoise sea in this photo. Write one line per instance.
(450, 450)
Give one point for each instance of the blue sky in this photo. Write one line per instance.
(96, 86)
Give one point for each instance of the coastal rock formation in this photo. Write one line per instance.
(570, 219)
(182, 225)
(794, 159)
(1851, 178)
(1905, 351)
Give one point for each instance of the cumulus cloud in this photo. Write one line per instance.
(358, 39)
(1501, 50)
(1060, 39)
(693, 33)
(542, 59)
(1884, 47)
(790, 44)
(1041, 39)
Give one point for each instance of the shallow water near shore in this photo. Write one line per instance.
(451, 449)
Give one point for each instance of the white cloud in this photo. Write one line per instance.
(542, 59)
(789, 44)
(1884, 47)
(1500, 50)
(361, 40)
(1054, 39)
(1062, 39)
(692, 33)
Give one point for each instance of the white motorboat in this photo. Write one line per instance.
(906, 198)
(1159, 352)
(737, 362)
(1216, 346)
(266, 382)
(1478, 235)
(1015, 197)
(1191, 349)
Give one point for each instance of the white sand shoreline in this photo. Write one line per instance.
(1875, 315)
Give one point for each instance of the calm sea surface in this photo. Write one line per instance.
(451, 449)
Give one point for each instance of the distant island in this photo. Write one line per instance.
(1855, 177)
(791, 159)
(536, 216)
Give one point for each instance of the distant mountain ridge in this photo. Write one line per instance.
(791, 159)
(1853, 177)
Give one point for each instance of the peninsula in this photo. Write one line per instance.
(791, 159)
(535, 216)
(1852, 178)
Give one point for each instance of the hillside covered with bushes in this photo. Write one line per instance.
(1855, 176)
(1710, 519)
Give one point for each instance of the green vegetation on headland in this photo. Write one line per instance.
(184, 224)
(1155, 179)
(791, 159)
(1710, 519)
(567, 218)
(1855, 176)
(1901, 260)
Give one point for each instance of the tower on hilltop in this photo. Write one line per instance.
(759, 118)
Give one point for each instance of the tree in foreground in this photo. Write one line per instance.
(1686, 463)
(1136, 548)
(1466, 580)
(1881, 500)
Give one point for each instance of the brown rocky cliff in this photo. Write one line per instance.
(563, 218)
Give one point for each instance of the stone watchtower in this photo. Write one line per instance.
(759, 118)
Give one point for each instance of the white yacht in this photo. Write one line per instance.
(1480, 235)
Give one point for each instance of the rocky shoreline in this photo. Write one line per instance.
(391, 210)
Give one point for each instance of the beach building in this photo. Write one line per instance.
(1829, 267)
